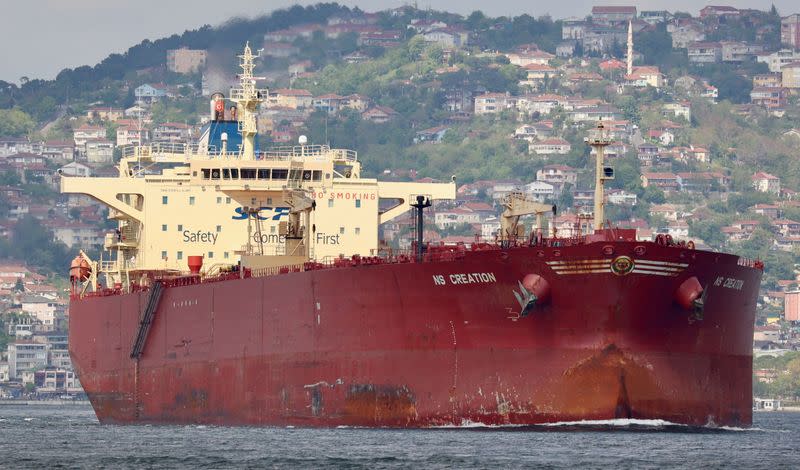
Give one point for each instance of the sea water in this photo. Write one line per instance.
(70, 437)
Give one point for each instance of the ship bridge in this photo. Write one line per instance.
(222, 196)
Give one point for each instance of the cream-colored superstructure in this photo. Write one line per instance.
(174, 201)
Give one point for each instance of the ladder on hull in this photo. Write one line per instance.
(147, 319)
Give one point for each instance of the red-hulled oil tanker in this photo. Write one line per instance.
(533, 328)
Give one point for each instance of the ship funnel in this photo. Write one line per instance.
(195, 264)
(217, 107)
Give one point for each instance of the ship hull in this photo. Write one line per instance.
(434, 343)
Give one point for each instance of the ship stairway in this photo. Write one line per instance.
(147, 319)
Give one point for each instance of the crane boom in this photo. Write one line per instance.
(516, 205)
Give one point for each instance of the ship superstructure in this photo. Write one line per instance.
(222, 199)
(298, 319)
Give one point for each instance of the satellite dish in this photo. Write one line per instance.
(303, 140)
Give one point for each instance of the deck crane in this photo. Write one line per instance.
(516, 205)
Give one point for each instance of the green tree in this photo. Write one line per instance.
(16, 123)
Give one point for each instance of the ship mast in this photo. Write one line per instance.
(599, 140)
(247, 98)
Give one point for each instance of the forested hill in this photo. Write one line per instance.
(32, 93)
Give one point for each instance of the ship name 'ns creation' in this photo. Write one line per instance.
(248, 287)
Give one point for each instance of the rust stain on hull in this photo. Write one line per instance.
(392, 405)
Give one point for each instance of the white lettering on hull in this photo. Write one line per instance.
(464, 278)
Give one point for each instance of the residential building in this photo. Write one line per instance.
(59, 150)
(99, 151)
(43, 309)
(280, 50)
(573, 29)
(105, 113)
(668, 211)
(790, 31)
(718, 10)
(132, 135)
(432, 135)
(172, 132)
(645, 76)
(595, 113)
(448, 37)
(620, 197)
(704, 52)
(613, 15)
(768, 210)
(558, 175)
(769, 97)
(776, 60)
(25, 356)
(553, 146)
(290, 98)
(703, 181)
(679, 109)
(566, 49)
(655, 16)
(148, 93)
(686, 34)
(453, 217)
(790, 75)
(540, 190)
(739, 51)
(661, 180)
(185, 60)
(537, 74)
(56, 380)
(86, 132)
(379, 114)
(75, 169)
(766, 80)
(530, 57)
(766, 183)
(491, 103)
(76, 233)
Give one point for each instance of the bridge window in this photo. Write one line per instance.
(317, 175)
(307, 175)
(279, 174)
(206, 173)
(263, 173)
(235, 173)
(215, 174)
(248, 173)
(226, 173)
